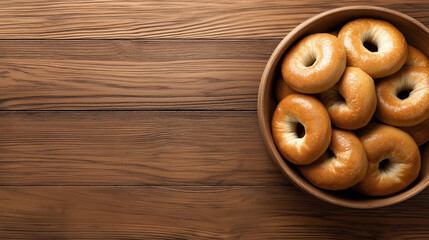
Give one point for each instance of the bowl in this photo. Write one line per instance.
(415, 33)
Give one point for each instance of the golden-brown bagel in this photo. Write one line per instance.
(352, 101)
(343, 170)
(312, 115)
(393, 160)
(314, 64)
(411, 110)
(282, 90)
(391, 45)
(419, 132)
(416, 58)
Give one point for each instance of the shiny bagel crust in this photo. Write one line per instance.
(281, 89)
(310, 112)
(392, 47)
(404, 112)
(419, 132)
(352, 101)
(314, 64)
(416, 58)
(343, 170)
(402, 167)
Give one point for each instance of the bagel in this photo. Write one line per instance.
(352, 101)
(282, 90)
(344, 169)
(393, 160)
(419, 132)
(314, 64)
(390, 46)
(301, 110)
(396, 109)
(416, 58)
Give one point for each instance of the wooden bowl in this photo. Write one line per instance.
(415, 33)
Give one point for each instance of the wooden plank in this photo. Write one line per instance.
(134, 148)
(144, 75)
(220, 19)
(198, 213)
(137, 50)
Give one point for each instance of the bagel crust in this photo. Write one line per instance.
(343, 170)
(314, 64)
(282, 90)
(312, 115)
(393, 160)
(416, 58)
(419, 132)
(391, 45)
(410, 111)
(352, 101)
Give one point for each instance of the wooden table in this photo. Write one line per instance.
(137, 119)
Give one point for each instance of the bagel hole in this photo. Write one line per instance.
(311, 61)
(384, 165)
(370, 46)
(300, 130)
(404, 94)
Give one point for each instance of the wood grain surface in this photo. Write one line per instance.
(137, 120)
(150, 19)
(198, 213)
(133, 148)
(143, 75)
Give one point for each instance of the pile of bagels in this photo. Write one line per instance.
(354, 108)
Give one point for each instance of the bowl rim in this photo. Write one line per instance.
(266, 132)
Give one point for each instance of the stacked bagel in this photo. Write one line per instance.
(354, 108)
